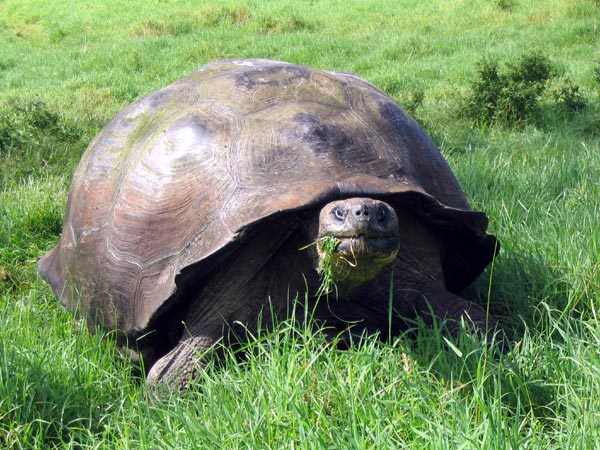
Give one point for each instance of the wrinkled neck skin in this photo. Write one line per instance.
(356, 239)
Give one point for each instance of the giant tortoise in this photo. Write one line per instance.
(192, 213)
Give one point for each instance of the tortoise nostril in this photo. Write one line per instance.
(361, 210)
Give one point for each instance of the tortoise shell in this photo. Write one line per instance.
(179, 176)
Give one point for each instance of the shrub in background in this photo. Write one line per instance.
(508, 96)
(27, 122)
(568, 96)
(34, 136)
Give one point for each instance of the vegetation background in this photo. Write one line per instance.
(509, 90)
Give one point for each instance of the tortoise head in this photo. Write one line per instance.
(365, 238)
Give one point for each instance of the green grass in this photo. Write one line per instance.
(67, 67)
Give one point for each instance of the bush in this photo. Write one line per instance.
(36, 139)
(509, 96)
(568, 96)
(26, 122)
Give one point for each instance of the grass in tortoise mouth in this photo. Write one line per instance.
(326, 247)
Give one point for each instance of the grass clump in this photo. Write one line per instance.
(506, 5)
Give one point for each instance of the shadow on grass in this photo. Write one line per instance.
(519, 284)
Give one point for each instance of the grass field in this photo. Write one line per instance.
(67, 67)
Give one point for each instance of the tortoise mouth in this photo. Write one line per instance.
(354, 260)
(362, 249)
(368, 247)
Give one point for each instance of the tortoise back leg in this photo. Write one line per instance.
(180, 366)
(433, 302)
(255, 284)
(419, 282)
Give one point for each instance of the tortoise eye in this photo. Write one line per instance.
(338, 213)
(382, 213)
